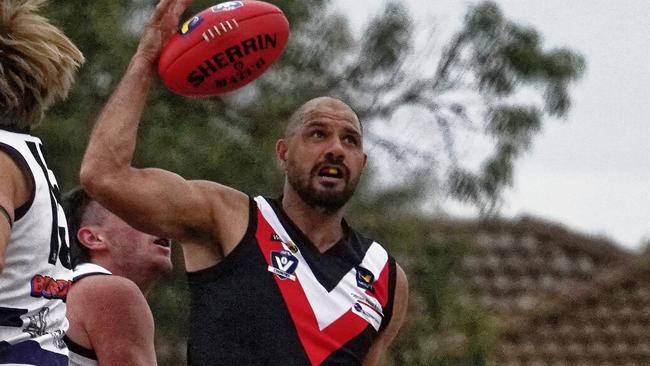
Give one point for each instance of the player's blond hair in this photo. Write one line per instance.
(37, 63)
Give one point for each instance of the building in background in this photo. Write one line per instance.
(557, 297)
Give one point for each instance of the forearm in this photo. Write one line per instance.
(151, 200)
(112, 142)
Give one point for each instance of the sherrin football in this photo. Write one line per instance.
(223, 48)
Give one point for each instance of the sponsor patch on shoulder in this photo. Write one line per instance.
(283, 264)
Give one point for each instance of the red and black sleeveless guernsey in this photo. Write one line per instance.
(276, 300)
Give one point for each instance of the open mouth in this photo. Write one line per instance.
(331, 172)
(163, 242)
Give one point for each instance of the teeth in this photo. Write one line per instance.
(332, 171)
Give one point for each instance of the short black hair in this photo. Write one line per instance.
(75, 205)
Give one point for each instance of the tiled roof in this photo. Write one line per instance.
(604, 323)
(513, 266)
(560, 298)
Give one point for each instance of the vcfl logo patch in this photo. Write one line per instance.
(283, 264)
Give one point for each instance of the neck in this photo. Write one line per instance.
(144, 278)
(322, 227)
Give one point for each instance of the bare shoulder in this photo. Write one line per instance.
(14, 180)
(9, 184)
(96, 304)
(98, 293)
(104, 303)
(8, 164)
(117, 322)
(15, 189)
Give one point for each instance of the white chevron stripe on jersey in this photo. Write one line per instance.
(84, 269)
(328, 306)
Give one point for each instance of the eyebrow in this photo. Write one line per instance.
(317, 123)
(353, 131)
(314, 123)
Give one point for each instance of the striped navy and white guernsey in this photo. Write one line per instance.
(36, 276)
(80, 355)
(277, 300)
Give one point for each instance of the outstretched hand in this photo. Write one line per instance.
(159, 28)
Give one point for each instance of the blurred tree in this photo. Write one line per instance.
(444, 326)
(469, 89)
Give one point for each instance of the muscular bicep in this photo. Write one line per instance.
(163, 203)
(119, 323)
(386, 337)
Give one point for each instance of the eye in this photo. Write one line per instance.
(352, 140)
(317, 134)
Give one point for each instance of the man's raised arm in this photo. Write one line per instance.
(152, 200)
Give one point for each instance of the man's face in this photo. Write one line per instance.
(130, 247)
(324, 155)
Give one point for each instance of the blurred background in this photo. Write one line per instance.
(508, 155)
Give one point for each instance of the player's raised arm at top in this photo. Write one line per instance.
(153, 200)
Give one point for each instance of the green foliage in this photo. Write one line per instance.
(386, 41)
(500, 58)
(443, 327)
(231, 139)
(490, 57)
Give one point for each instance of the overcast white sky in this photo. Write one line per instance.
(591, 171)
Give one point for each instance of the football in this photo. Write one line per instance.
(223, 48)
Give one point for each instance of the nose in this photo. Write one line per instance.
(335, 149)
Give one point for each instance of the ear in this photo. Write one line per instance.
(281, 149)
(90, 238)
(365, 160)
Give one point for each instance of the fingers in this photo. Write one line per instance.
(173, 7)
(162, 25)
(166, 16)
(180, 7)
(161, 9)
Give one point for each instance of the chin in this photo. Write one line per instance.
(330, 201)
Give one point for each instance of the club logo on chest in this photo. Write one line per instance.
(283, 264)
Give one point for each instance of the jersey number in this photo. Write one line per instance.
(58, 241)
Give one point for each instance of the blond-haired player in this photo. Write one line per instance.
(37, 67)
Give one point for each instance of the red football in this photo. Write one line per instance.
(223, 48)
